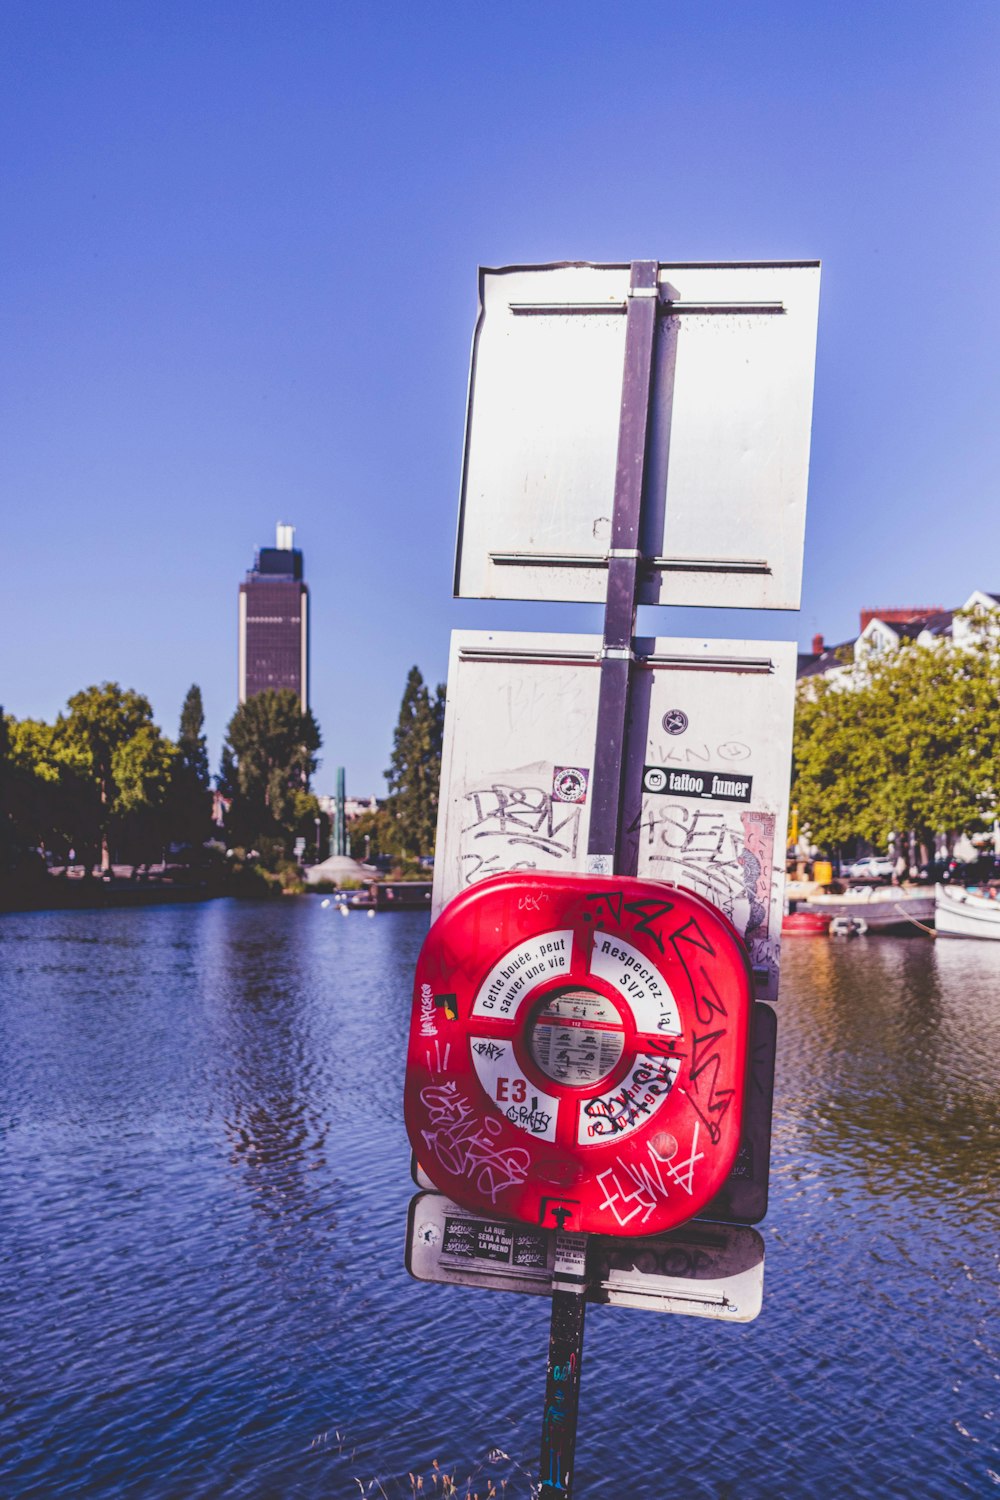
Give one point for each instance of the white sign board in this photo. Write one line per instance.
(703, 1270)
(731, 409)
(707, 764)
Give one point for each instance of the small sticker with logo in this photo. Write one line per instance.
(569, 784)
(712, 786)
(449, 1004)
(675, 721)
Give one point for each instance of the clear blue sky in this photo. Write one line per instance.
(239, 250)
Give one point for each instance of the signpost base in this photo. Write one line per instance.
(562, 1385)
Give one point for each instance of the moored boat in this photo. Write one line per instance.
(882, 908)
(961, 913)
(805, 924)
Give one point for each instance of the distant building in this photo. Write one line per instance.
(886, 629)
(353, 806)
(274, 622)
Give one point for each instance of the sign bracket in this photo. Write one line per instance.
(666, 307)
(678, 660)
(646, 564)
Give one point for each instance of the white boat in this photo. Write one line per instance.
(960, 913)
(879, 908)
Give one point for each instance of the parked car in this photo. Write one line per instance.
(871, 867)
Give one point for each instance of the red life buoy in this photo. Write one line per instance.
(578, 1051)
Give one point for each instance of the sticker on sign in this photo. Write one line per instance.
(713, 786)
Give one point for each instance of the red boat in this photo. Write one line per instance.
(805, 924)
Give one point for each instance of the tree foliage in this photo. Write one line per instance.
(912, 741)
(267, 760)
(191, 737)
(192, 791)
(97, 780)
(372, 834)
(49, 800)
(414, 774)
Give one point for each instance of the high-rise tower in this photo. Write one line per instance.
(274, 621)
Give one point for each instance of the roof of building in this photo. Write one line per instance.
(275, 564)
(907, 624)
(898, 616)
(816, 663)
(938, 623)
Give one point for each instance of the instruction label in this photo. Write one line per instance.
(522, 970)
(485, 1239)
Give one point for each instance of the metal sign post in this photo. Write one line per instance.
(635, 434)
(562, 1382)
(623, 559)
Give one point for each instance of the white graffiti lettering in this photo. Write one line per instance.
(642, 1183)
(467, 1146)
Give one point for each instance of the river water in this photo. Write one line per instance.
(203, 1191)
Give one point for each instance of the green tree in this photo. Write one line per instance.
(101, 774)
(913, 743)
(51, 798)
(8, 835)
(109, 734)
(268, 758)
(191, 737)
(191, 816)
(141, 769)
(414, 775)
(22, 796)
(145, 770)
(373, 833)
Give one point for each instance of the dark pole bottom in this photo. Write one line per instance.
(562, 1385)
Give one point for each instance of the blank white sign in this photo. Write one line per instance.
(725, 495)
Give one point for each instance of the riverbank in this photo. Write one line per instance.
(76, 889)
(90, 895)
(66, 891)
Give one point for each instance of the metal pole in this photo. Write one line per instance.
(341, 823)
(562, 1386)
(623, 558)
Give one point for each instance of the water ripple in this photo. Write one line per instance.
(204, 1181)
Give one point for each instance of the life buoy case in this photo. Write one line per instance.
(578, 1052)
